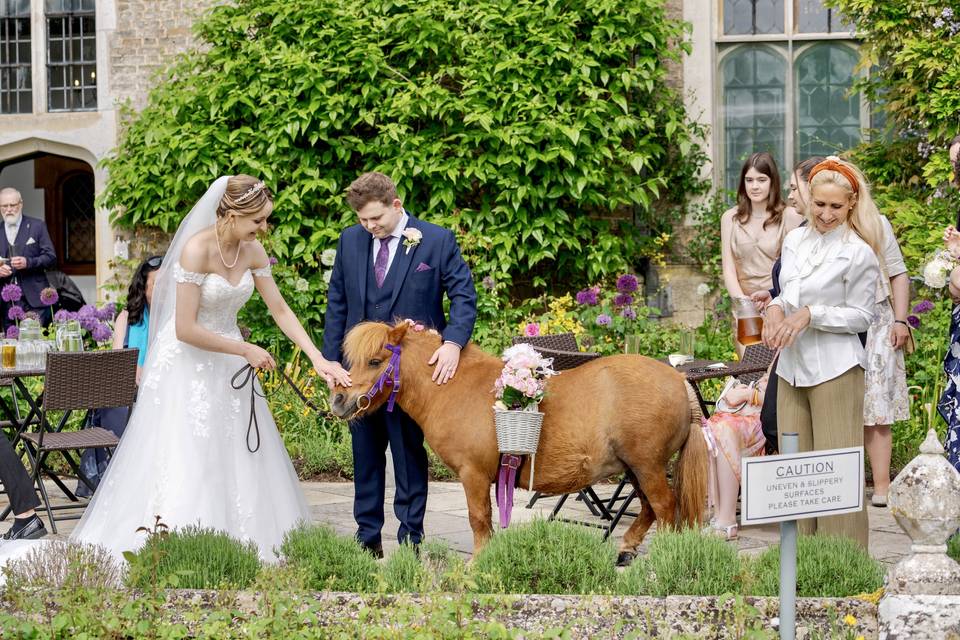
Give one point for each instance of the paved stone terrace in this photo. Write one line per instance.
(332, 503)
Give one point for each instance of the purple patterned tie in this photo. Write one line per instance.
(380, 264)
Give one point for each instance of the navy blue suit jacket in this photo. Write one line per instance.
(418, 290)
(33, 243)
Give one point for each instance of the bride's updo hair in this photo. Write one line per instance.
(245, 196)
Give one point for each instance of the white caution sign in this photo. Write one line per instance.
(801, 485)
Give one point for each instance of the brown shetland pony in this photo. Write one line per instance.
(614, 414)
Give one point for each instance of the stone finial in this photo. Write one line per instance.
(925, 500)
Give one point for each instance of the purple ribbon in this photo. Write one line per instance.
(506, 482)
(389, 378)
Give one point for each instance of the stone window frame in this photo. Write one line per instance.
(791, 45)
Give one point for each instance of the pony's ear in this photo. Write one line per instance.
(397, 332)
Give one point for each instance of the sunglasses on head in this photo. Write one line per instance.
(155, 262)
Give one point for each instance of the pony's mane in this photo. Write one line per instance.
(365, 341)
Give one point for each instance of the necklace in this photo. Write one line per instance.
(216, 232)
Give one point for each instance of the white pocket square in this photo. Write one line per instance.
(31, 241)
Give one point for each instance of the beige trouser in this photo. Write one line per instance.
(827, 416)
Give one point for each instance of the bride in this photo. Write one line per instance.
(186, 453)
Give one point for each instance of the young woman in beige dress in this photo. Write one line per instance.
(752, 232)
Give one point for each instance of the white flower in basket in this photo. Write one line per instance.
(519, 390)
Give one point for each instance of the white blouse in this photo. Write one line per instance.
(835, 275)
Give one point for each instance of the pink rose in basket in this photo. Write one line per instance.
(523, 380)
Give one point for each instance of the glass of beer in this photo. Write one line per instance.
(749, 321)
(8, 354)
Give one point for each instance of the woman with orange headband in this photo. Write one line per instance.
(828, 294)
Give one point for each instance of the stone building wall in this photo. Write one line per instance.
(149, 33)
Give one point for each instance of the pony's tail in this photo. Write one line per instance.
(692, 468)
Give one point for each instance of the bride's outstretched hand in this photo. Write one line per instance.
(259, 358)
(951, 238)
(333, 373)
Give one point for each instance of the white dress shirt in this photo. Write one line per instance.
(835, 275)
(13, 229)
(398, 235)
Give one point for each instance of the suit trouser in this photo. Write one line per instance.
(827, 416)
(16, 480)
(369, 438)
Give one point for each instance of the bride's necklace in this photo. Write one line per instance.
(216, 232)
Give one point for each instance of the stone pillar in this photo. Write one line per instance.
(922, 598)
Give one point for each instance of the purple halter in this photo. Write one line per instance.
(389, 378)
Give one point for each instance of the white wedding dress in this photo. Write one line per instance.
(184, 454)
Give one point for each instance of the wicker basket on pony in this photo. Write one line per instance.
(518, 431)
(519, 390)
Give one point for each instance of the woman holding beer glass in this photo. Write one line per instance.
(828, 294)
(751, 234)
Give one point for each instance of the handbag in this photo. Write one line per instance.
(70, 296)
(910, 345)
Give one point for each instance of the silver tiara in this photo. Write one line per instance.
(249, 193)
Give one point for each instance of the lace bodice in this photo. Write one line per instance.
(220, 301)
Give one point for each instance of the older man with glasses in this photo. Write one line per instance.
(26, 252)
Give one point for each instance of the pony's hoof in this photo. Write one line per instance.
(624, 558)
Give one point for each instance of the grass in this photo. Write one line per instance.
(953, 547)
(685, 562)
(546, 557)
(827, 566)
(194, 558)
(57, 564)
(329, 561)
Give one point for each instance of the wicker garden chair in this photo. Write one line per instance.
(78, 381)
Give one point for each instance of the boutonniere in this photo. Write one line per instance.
(411, 238)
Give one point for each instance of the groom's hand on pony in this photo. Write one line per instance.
(447, 357)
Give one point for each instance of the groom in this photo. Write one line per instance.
(392, 265)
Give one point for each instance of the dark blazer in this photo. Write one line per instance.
(424, 274)
(33, 243)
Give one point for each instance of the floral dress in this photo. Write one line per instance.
(949, 405)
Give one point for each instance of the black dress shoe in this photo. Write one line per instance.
(376, 550)
(33, 530)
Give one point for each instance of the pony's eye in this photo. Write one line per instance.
(376, 362)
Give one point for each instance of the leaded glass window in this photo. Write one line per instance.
(828, 115)
(812, 17)
(71, 55)
(16, 86)
(752, 17)
(754, 106)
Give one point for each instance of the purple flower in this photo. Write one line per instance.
(31, 315)
(923, 306)
(628, 313)
(49, 296)
(11, 293)
(15, 313)
(532, 329)
(87, 311)
(488, 283)
(272, 261)
(13, 332)
(588, 296)
(938, 23)
(88, 322)
(627, 283)
(604, 320)
(106, 312)
(101, 332)
(914, 321)
(63, 315)
(622, 299)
